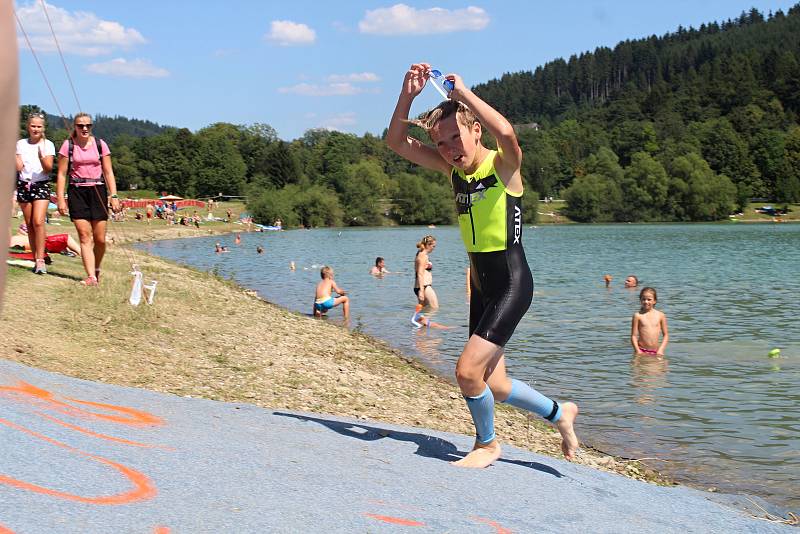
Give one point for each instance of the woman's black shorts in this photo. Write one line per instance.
(30, 191)
(88, 202)
(502, 291)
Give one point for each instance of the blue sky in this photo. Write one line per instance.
(313, 64)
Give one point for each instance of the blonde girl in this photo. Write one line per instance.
(34, 164)
(423, 279)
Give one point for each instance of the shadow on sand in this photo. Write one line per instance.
(427, 446)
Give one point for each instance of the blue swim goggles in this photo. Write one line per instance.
(440, 83)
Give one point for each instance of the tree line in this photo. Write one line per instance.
(683, 127)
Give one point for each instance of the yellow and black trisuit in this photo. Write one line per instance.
(490, 218)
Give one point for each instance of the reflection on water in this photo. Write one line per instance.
(717, 407)
(648, 376)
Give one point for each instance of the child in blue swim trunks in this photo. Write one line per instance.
(324, 299)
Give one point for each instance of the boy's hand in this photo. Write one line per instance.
(459, 89)
(415, 79)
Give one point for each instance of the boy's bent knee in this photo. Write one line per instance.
(468, 377)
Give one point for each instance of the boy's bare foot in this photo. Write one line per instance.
(565, 425)
(481, 455)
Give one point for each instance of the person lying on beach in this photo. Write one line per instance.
(648, 324)
(53, 244)
(324, 299)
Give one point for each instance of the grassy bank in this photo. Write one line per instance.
(207, 337)
(554, 213)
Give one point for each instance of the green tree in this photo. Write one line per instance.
(708, 196)
(219, 166)
(297, 206)
(728, 154)
(423, 201)
(787, 188)
(365, 193)
(592, 198)
(163, 165)
(644, 190)
(126, 171)
(540, 163)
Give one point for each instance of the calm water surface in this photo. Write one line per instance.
(716, 412)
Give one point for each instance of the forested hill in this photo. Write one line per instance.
(709, 71)
(109, 128)
(685, 126)
(112, 127)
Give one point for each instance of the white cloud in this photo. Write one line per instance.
(138, 68)
(354, 77)
(288, 33)
(78, 32)
(330, 89)
(340, 122)
(402, 19)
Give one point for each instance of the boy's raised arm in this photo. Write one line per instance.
(397, 137)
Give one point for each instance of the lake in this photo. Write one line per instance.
(715, 412)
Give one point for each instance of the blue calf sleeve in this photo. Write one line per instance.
(525, 397)
(482, 410)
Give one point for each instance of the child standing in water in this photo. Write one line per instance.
(324, 300)
(488, 192)
(648, 324)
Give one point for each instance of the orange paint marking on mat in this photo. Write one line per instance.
(498, 528)
(37, 395)
(143, 488)
(396, 520)
(103, 436)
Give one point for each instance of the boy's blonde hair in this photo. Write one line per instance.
(326, 272)
(428, 120)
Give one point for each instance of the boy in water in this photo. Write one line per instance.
(488, 192)
(324, 300)
(648, 324)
